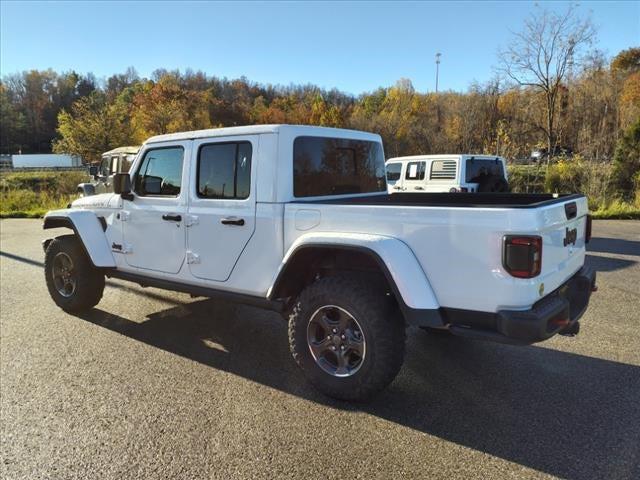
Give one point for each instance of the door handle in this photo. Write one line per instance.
(232, 221)
(172, 218)
(419, 188)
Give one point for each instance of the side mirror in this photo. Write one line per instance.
(122, 185)
(93, 171)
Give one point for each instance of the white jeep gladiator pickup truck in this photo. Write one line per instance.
(298, 220)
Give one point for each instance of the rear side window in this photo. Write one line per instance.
(224, 170)
(443, 170)
(415, 171)
(477, 169)
(393, 171)
(334, 166)
(160, 173)
(114, 165)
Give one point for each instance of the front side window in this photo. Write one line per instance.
(224, 170)
(334, 166)
(415, 171)
(477, 169)
(160, 173)
(393, 171)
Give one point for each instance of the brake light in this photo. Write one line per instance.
(522, 255)
(587, 233)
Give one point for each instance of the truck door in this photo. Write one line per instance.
(222, 209)
(153, 222)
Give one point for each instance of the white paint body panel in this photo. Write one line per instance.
(89, 229)
(438, 256)
(397, 256)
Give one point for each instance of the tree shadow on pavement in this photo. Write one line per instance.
(564, 414)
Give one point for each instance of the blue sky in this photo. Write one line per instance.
(354, 46)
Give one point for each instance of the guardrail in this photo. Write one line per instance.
(5, 169)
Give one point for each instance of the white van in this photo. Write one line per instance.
(447, 173)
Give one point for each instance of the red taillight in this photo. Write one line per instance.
(522, 255)
(587, 233)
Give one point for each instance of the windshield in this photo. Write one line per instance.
(479, 168)
(334, 166)
(104, 167)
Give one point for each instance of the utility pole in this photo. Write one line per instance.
(438, 55)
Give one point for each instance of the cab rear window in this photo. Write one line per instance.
(334, 166)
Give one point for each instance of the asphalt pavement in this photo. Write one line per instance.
(155, 384)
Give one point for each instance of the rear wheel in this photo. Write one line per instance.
(74, 284)
(347, 337)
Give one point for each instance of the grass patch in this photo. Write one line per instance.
(32, 194)
(618, 210)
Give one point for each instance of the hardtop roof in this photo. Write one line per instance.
(257, 129)
(449, 156)
(131, 149)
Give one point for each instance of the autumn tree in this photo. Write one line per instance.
(165, 107)
(540, 56)
(92, 127)
(627, 162)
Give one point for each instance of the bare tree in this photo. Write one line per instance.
(542, 55)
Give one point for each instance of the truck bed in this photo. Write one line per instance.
(468, 200)
(458, 238)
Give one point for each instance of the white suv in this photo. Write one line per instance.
(447, 173)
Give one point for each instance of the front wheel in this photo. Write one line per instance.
(347, 337)
(74, 284)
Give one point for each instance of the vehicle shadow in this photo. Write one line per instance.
(564, 414)
(607, 264)
(618, 246)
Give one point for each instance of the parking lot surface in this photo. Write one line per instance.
(154, 384)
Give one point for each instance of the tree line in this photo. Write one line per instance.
(45, 110)
(551, 89)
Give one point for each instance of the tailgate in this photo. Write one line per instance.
(563, 229)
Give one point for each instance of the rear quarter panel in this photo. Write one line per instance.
(460, 248)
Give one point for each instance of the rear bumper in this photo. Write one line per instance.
(558, 312)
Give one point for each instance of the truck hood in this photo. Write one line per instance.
(104, 200)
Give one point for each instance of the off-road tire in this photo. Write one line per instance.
(89, 281)
(382, 326)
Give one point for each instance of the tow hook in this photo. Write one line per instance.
(571, 330)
